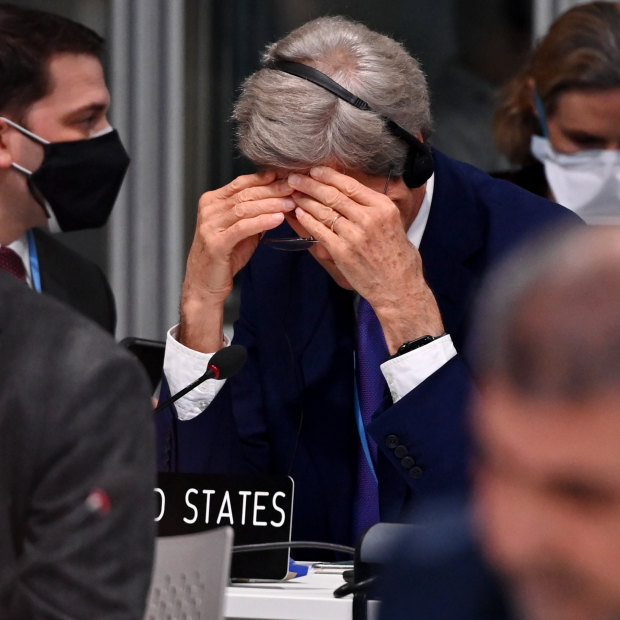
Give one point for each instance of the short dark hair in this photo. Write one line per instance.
(28, 40)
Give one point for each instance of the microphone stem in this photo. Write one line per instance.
(209, 373)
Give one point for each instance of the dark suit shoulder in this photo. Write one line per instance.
(498, 211)
(75, 281)
(30, 322)
(531, 177)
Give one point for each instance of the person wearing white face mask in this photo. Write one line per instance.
(61, 163)
(559, 118)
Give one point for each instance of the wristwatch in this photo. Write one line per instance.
(414, 344)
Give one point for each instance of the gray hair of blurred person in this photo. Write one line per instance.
(548, 318)
(287, 122)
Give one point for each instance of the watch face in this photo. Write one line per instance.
(414, 344)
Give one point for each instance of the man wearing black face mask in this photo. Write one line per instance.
(61, 163)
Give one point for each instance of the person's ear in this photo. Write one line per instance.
(6, 158)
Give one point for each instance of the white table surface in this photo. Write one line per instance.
(303, 598)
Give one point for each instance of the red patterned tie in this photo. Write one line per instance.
(12, 263)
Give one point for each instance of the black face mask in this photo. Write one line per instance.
(79, 180)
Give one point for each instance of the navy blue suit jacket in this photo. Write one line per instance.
(291, 409)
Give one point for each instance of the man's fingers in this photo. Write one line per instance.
(242, 198)
(258, 207)
(320, 231)
(326, 196)
(349, 186)
(242, 182)
(335, 191)
(248, 227)
(278, 188)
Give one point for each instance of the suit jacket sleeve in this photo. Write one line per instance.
(424, 439)
(211, 441)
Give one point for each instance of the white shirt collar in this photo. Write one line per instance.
(418, 226)
(20, 247)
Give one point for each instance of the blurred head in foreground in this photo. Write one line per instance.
(547, 425)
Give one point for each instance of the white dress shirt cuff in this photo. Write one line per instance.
(407, 371)
(182, 366)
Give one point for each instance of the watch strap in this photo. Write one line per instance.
(411, 345)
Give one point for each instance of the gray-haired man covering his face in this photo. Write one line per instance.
(398, 229)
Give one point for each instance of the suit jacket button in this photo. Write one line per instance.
(407, 462)
(416, 472)
(391, 441)
(400, 451)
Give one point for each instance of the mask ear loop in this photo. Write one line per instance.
(28, 173)
(542, 116)
(24, 131)
(36, 194)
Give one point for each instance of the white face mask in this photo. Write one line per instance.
(587, 182)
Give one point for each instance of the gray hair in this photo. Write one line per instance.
(287, 122)
(548, 320)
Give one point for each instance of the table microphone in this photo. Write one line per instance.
(224, 364)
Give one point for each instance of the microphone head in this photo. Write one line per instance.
(228, 361)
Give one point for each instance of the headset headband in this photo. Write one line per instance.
(324, 81)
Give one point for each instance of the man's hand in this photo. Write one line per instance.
(230, 223)
(362, 231)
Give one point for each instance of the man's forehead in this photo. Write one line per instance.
(362, 177)
(77, 76)
(282, 173)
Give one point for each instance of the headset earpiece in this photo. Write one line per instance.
(419, 162)
(418, 165)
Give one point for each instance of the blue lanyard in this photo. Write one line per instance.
(34, 263)
(360, 422)
(542, 117)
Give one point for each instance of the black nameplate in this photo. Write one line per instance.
(259, 509)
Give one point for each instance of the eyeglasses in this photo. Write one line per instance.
(291, 244)
(298, 244)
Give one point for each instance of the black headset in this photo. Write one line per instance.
(419, 163)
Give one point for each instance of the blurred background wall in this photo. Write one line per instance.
(174, 67)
